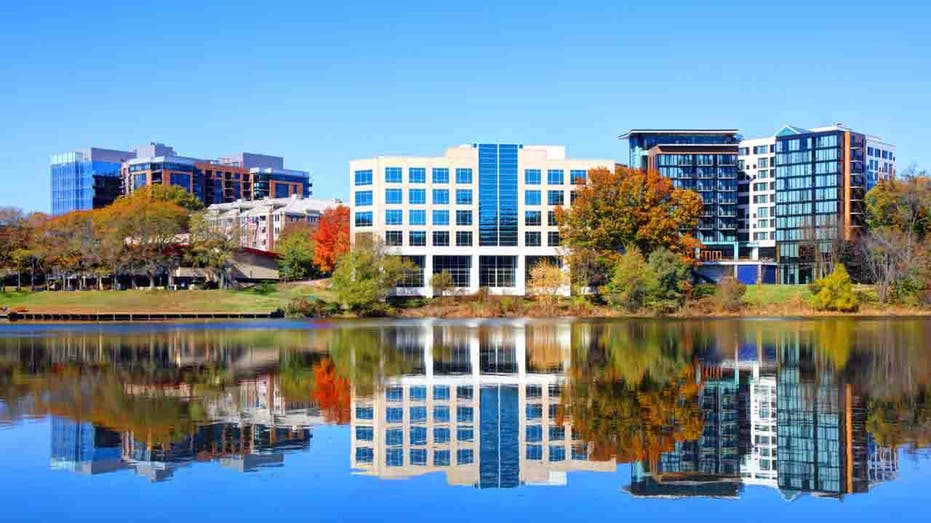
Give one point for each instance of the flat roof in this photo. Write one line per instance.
(627, 135)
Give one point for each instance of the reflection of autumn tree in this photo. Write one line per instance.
(901, 422)
(331, 392)
(365, 358)
(632, 391)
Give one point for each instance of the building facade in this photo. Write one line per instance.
(258, 224)
(757, 198)
(485, 213)
(85, 179)
(705, 161)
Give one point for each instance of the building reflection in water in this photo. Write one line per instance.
(480, 405)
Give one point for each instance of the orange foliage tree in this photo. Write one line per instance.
(627, 208)
(331, 239)
(331, 392)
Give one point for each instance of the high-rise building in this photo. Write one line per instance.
(705, 161)
(485, 213)
(85, 179)
(757, 198)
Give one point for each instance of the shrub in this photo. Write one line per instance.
(364, 277)
(729, 294)
(442, 283)
(630, 281)
(311, 307)
(659, 284)
(834, 292)
(672, 276)
(546, 280)
(703, 290)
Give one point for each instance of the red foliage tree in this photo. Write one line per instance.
(331, 392)
(331, 239)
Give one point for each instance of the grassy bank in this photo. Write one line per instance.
(257, 299)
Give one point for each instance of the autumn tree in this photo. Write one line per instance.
(627, 208)
(331, 239)
(296, 251)
(14, 233)
(365, 276)
(546, 281)
(210, 248)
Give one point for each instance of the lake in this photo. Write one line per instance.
(729, 420)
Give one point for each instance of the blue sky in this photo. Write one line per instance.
(323, 84)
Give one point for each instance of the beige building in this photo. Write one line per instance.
(480, 406)
(485, 213)
(258, 223)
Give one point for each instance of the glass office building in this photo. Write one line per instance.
(85, 179)
(484, 212)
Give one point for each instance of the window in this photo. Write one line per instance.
(363, 198)
(394, 414)
(440, 238)
(364, 455)
(463, 238)
(441, 414)
(365, 433)
(534, 433)
(394, 217)
(363, 177)
(441, 196)
(464, 414)
(417, 238)
(463, 175)
(760, 149)
(551, 218)
(418, 456)
(464, 457)
(552, 238)
(417, 217)
(465, 434)
(555, 177)
(418, 434)
(417, 196)
(532, 239)
(394, 238)
(392, 174)
(364, 219)
(463, 196)
(534, 452)
(440, 458)
(555, 197)
(464, 392)
(394, 394)
(441, 435)
(394, 457)
(463, 217)
(532, 177)
(365, 412)
(532, 218)
(417, 175)
(441, 392)
(557, 453)
(578, 176)
(458, 267)
(393, 196)
(531, 197)
(557, 433)
(394, 437)
(534, 411)
(440, 175)
(418, 393)
(440, 217)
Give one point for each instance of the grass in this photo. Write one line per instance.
(763, 295)
(256, 299)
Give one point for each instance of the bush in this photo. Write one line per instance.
(672, 283)
(703, 290)
(442, 283)
(311, 307)
(629, 282)
(834, 292)
(729, 294)
(364, 277)
(659, 284)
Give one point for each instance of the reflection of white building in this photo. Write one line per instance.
(481, 406)
(759, 464)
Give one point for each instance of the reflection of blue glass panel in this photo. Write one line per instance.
(394, 393)
(418, 393)
(534, 452)
(464, 457)
(441, 435)
(534, 412)
(418, 436)
(418, 414)
(534, 433)
(441, 414)
(394, 437)
(441, 392)
(418, 456)
(465, 434)
(441, 458)
(394, 414)
(365, 412)
(394, 457)
(499, 453)
(364, 433)
(557, 453)
(364, 455)
(464, 414)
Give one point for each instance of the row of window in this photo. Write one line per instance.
(394, 457)
(463, 238)
(415, 197)
(464, 176)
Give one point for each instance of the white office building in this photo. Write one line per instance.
(485, 213)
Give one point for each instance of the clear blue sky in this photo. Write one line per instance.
(323, 83)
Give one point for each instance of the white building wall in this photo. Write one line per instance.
(758, 162)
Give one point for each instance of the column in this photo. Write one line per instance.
(473, 275)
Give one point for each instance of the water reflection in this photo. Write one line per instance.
(695, 408)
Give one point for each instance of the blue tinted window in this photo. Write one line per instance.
(417, 175)
(463, 175)
(463, 217)
(363, 177)
(464, 414)
(394, 394)
(465, 434)
(394, 217)
(365, 433)
(441, 196)
(418, 414)
(364, 219)
(532, 177)
(497, 198)
(418, 393)
(417, 217)
(418, 435)
(441, 435)
(464, 457)
(531, 197)
(534, 452)
(364, 455)
(555, 177)
(441, 392)
(394, 414)
(441, 414)
(363, 198)
(394, 457)
(440, 217)
(393, 174)
(440, 175)
(417, 196)
(463, 196)
(534, 433)
(365, 412)
(555, 197)
(532, 218)
(440, 458)
(393, 196)
(418, 456)
(394, 437)
(417, 238)
(534, 412)
(557, 453)
(557, 433)
(578, 176)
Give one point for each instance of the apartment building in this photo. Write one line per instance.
(258, 223)
(757, 198)
(485, 213)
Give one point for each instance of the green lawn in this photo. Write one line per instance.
(249, 300)
(761, 295)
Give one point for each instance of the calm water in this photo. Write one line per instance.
(467, 421)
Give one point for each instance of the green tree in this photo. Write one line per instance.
(546, 281)
(672, 285)
(210, 248)
(442, 283)
(834, 292)
(630, 282)
(365, 276)
(296, 250)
